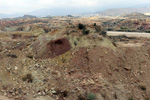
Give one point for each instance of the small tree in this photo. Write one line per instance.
(81, 26)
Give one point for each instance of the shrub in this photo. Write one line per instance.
(46, 29)
(142, 87)
(91, 96)
(98, 29)
(147, 31)
(103, 33)
(94, 24)
(75, 43)
(109, 29)
(81, 26)
(85, 32)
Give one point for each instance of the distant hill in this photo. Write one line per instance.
(123, 11)
(23, 17)
(55, 11)
(136, 16)
(28, 16)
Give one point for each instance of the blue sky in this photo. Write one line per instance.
(13, 6)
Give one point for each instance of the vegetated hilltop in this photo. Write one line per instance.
(135, 15)
(28, 16)
(61, 58)
(122, 11)
(131, 23)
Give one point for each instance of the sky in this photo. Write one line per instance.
(20, 6)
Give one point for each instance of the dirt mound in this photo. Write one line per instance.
(45, 47)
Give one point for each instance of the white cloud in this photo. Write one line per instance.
(11, 6)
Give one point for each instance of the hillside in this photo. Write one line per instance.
(28, 16)
(23, 17)
(122, 11)
(56, 59)
(136, 16)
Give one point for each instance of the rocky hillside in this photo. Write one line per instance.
(71, 61)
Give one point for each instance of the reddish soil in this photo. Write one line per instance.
(57, 47)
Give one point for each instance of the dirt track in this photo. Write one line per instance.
(129, 34)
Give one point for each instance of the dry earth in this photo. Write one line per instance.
(64, 64)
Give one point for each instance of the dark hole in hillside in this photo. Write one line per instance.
(52, 49)
(58, 47)
(59, 42)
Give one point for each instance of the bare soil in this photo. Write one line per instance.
(70, 67)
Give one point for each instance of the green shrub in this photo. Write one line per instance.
(91, 96)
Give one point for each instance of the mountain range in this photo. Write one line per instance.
(123, 11)
(77, 11)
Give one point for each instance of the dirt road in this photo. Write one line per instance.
(129, 34)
